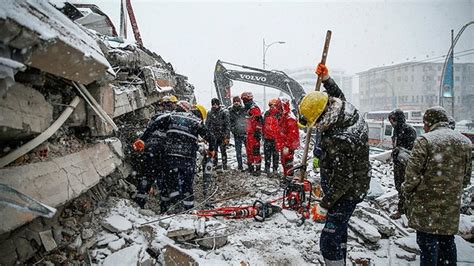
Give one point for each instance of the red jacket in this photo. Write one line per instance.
(254, 124)
(271, 129)
(290, 133)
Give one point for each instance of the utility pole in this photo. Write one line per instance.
(452, 74)
(264, 52)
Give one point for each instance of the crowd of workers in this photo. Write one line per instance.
(430, 171)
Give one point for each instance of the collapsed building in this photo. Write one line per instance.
(67, 84)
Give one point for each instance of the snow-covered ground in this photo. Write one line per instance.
(277, 240)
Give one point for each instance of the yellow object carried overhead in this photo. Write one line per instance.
(311, 107)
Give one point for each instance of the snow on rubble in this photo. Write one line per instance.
(187, 238)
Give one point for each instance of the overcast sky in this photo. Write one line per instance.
(192, 35)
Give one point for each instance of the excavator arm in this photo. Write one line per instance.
(276, 79)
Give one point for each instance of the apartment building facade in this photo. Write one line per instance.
(416, 86)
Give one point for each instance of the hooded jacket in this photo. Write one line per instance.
(344, 141)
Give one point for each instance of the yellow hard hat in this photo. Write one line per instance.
(311, 107)
(202, 110)
(173, 99)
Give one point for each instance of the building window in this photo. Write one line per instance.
(456, 68)
(406, 78)
(399, 78)
(421, 100)
(456, 78)
(412, 78)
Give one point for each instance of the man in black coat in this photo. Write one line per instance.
(403, 137)
(344, 162)
(218, 124)
(238, 124)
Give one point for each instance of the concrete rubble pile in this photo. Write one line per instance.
(119, 231)
(64, 87)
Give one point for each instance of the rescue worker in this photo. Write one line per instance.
(290, 136)
(438, 169)
(154, 156)
(254, 133)
(168, 103)
(182, 130)
(218, 123)
(238, 125)
(403, 137)
(344, 162)
(272, 136)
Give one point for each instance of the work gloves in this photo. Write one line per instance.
(285, 151)
(319, 213)
(211, 154)
(322, 71)
(138, 145)
(315, 163)
(226, 141)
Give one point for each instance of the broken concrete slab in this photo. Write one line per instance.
(24, 112)
(45, 34)
(56, 181)
(76, 244)
(106, 238)
(128, 100)
(290, 215)
(87, 233)
(87, 245)
(116, 223)
(126, 256)
(116, 245)
(182, 229)
(365, 230)
(213, 242)
(382, 224)
(174, 255)
(48, 240)
(408, 244)
(402, 254)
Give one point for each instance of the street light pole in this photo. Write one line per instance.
(264, 51)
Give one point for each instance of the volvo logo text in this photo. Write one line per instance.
(250, 77)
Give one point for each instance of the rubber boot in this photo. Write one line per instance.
(258, 170)
(250, 169)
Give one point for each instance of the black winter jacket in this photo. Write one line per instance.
(345, 158)
(217, 122)
(182, 132)
(238, 120)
